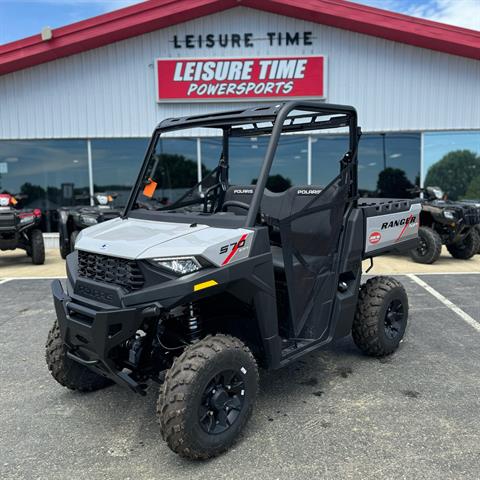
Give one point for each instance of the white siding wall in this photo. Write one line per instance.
(110, 91)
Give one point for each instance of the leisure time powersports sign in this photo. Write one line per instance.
(230, 79)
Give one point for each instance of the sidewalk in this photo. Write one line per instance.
(17, 264)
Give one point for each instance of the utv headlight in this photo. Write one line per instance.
(26, 218)
(88, 220)
(179, 265)
(450, 214)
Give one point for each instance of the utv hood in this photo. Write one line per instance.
(129, 238)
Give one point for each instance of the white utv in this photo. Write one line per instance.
(197, 292)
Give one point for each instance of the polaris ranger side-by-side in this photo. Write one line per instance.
(197, 294)
(20, 228)
(72, 220)
(444, 222)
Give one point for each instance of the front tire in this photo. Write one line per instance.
(64, 248)
(73, 239)
(381, 317)
(67, 372)
(429, 246)
(207, 397)
(38, 247)
(467, 248)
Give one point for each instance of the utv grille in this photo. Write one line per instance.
(7, 220)
(117, 271)
(472, 216)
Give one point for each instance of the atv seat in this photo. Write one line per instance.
(284, 204)
(278, 206)
(239, 193)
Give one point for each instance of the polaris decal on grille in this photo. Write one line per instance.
(94, 293)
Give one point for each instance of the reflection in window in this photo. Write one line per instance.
(247, 154)
(452, 162)
(48, 173)
(116, 163)
(327, 151)
(173, 168)
(389, 164)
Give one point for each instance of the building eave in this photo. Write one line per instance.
(153, 15)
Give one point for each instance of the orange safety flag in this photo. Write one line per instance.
(150, 188)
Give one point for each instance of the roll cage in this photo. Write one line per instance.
(270, 120)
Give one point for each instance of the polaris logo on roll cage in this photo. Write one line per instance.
(399, 223)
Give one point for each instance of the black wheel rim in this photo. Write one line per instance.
(394, 318)
(422, 247)
(222, 402)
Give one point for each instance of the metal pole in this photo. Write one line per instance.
(267, 162)
(422, 166)
(90, 172)
(384, 151)
(199, 162)
(309, 160)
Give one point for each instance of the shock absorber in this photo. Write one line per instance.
(193, 324)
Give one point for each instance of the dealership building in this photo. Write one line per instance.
(79, 103)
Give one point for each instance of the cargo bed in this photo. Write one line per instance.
(391, 225)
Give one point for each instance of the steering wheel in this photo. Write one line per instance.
(235, 203)
(145, 205)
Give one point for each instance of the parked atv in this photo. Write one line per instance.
(444, 222)
(199, 293)
(19, 228)
(476, 204)
(72, 220)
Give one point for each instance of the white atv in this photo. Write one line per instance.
(196, 292)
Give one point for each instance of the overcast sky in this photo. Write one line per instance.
(21, 18)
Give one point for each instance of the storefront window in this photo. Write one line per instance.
(116, 163)
(389, 164)
(452, 162)
(47, 174)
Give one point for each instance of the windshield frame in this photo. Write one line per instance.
(231, 122)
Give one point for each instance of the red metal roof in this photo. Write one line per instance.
(156, 14)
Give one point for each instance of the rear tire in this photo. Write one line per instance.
(38, 247)
(477, 228)
(207, 397)
(64, 249)
(467, 248)
(381, 317)
(429, 246)
(67, 372)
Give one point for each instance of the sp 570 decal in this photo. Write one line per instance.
(234, 248)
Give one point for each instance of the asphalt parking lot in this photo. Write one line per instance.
(333, 415)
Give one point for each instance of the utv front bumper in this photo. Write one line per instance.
(91, 336)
